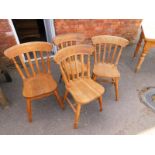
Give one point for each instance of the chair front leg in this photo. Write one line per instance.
(116, 88)
(77, 115)
(60, 102)
(29, 109)
(100, 103)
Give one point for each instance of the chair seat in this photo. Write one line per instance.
(106, 70)
(85, 90)
(40, 84)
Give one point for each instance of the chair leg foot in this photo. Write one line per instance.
(94, 77)
(60, 102)
(116, 89)
(77, 115)
(75, 125)
(65, 95)
(141, 60)
(100, 103)
(29, 109)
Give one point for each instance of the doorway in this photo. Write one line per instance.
(30, 30)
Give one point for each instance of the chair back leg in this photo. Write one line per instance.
(116, 88)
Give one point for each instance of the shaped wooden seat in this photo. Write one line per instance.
(107, 53)
(68, 39)
(106, 70)
(85, 90)
(79, 85)
(37, 78)
(38, 85)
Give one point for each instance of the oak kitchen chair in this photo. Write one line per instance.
(68, 39)
(78, 81)
(37, 78)
(107, 53)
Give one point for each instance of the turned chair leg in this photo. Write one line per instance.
(29, 109)
(138, 45)
(77, 115)
(142, 57)
(94, 77)
(60, 102)
(100, 103)
(65, 95)
(116, 88)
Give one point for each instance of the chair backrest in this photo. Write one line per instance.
(72, 61)
(108, 49)
(68, 39)
(35, 49)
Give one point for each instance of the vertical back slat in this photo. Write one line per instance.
(42, 62)
(95, 53)
(82, 65)
(18, 69)
(88, 66)
(71, 67)
(109, 52)
(66, 69)
(25, 68)
(99, 52)
(64, 44)
(76, 66)
(61, 45)
(71, 43)
(48, 63)
(104, 52)
(114, 53)
(30, 63)
(36, 61)
(118, 56)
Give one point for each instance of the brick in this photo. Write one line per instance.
(7, 38)
(127, 28)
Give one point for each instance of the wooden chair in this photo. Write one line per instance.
(37, 78)
(68, 39)
(77, 80)
(107, 53)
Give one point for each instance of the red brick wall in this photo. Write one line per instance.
(7, 38)
(127, 28)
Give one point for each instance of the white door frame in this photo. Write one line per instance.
(50, 31)
(14, 31)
